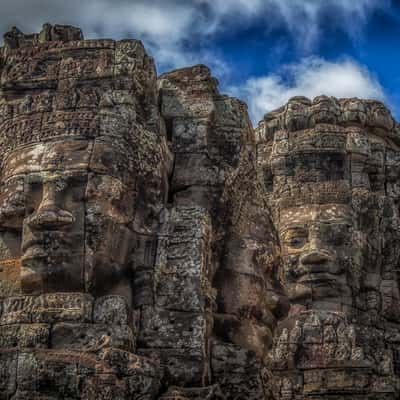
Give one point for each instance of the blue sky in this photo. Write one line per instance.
(262, 51)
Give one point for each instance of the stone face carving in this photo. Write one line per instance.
(70, 181)
(81, 188)
(330, 204)
(153, 245)
(316, 251)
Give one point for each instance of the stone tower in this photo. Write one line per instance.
(153, 245)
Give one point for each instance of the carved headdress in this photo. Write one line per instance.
(57, 87)
(328, 149)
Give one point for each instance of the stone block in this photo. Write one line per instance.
(172, 107)
(10, 269)
(195, 169)
(84, 64)
(169, 329)
(8, 373)
(24, 336)
(183, 293)
(112, 310)
(182, 274)
(91, 337)
(180, 366)
(47, 308)
(190, 135)
(237, 371)
(53, 371)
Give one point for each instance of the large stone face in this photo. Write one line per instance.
(84, 174)
(153, 245)
(76, 152)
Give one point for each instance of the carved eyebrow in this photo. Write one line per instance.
(336, 222)
(284, 230)
(44, 176)
(34, 178)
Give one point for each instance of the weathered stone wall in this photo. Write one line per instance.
(154, 245)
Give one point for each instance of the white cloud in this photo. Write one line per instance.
(180, 33)
(305, 18)
(311, 77)
(171, 29)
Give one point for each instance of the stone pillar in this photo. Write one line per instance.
(176, 329)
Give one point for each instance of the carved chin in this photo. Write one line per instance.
(318, 286)
(46, 269)
(320, 279)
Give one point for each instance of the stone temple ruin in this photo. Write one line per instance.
(153, 245)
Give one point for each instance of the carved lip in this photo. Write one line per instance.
(31, 243)
(34, 252)
(61, 240)
(318, 277)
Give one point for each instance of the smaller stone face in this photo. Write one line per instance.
(316, 250)
(297, 111)
(330, 186)
(15, 38)
(324, 109)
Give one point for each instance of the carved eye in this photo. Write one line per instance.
(296, 242)
(296, 238)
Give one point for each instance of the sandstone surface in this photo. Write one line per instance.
(153, 245)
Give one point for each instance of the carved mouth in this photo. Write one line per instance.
(38, 248)
(35, 251)
(318, 277)
(31, 243)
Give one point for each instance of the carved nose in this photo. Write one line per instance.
(315, 257)
(49, 213)
(50, 218)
